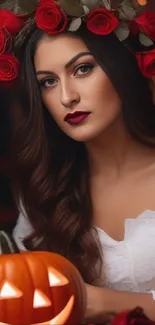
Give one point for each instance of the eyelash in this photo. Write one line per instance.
(89, 67)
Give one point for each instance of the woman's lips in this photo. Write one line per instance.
(76, 117)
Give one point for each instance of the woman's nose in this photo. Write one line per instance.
(69, 95)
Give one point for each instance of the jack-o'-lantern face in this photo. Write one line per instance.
(40, 288)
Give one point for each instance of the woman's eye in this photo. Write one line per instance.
(83, 69)
(46, 83)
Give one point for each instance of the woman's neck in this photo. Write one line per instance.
(116, 151)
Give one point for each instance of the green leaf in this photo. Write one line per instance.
(19, 6)
(27, 6)
(86, 9)
(91, 4)
(122, 32)
(72, 7)
(145, 40)
(106, 4)
(126, 10)
(9, 4)
(75, 24)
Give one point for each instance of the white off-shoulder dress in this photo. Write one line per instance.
(128, 264)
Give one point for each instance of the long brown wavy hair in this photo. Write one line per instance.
(51, 171)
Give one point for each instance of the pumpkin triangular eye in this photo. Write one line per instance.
(56, 278)
(40, 300)
(8, 290)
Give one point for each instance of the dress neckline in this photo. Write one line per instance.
(107, 238)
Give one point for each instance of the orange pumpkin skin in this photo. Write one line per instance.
(51, 275)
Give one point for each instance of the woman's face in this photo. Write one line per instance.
(74, 88)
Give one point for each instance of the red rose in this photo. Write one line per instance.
(144, 23)
(146, 62)
(10, 21)
(8, 67)
(2, 41)
(101, 21)
(50, 18)
(5, 41)
(134, 317)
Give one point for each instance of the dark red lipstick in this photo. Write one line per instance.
(76, 117)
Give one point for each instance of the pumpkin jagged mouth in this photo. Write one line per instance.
(61, 318)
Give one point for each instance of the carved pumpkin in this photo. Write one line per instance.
(40, 288)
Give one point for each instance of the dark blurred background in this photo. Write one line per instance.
(8, 213)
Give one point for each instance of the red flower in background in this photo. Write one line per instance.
(146, 63)
(101, 21)
(144, 23)
(10, 21)
(9, 67)
(134, 317)
(50, 18)
(2, 41)
(10, 24)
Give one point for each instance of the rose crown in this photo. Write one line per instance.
(128, 19)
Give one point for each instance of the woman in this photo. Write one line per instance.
(85, 155)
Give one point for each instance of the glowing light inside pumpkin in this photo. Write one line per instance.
(8, 290)
(63, 316)
(40, 300)
(56, 278)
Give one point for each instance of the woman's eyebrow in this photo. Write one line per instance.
(76, 57)
(67, 65)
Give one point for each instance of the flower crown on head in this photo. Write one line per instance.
(128, 19)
